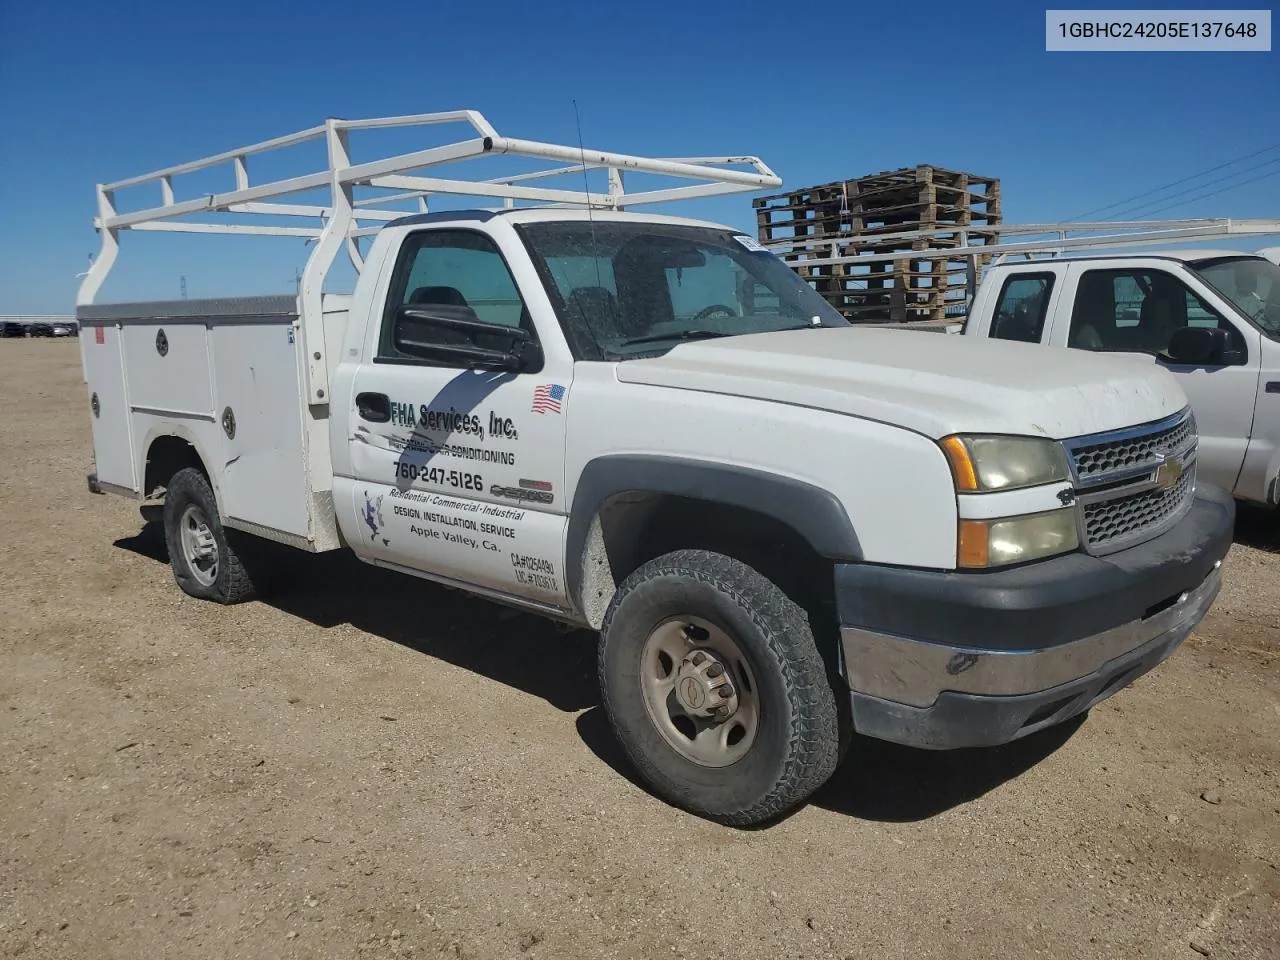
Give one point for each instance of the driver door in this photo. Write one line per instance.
(457, 472)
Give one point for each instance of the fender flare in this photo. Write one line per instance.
(814, 513)
(181, 431)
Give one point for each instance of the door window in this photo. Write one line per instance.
(1137, 311)
(1022, 306)
(454, 273)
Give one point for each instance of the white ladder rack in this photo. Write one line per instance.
(1054, 239)
(1047, 240)
(344, 218)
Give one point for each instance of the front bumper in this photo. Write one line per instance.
(945, 660)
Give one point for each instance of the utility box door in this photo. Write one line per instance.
(109, 420)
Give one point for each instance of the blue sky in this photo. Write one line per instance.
(95, 92)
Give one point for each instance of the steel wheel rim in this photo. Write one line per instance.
(670, 682)
(199, 546)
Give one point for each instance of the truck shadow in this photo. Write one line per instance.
(895, 784)
(522, 651)
(877, 781)
(883, 781)
(1258, 528)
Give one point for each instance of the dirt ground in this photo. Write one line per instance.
(368, 766)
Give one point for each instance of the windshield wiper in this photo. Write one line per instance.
(709, 334)
(675, 335)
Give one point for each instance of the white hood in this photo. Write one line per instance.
(935, 384)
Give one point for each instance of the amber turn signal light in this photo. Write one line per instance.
(961, 464)
(974, 544)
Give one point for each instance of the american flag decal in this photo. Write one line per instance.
(547, 397)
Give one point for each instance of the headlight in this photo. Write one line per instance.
(995, 543)
(982, 464)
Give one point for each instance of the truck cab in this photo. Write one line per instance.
(1209, 317)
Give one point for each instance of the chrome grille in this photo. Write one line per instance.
(1095, 461)
(1133, 484)
(1113, 522)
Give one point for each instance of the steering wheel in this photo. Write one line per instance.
(716, 308)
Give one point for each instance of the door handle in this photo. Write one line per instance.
(374, 407)
(1273, 386)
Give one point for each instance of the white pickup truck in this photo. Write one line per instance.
(785, 530)
(1211, 317)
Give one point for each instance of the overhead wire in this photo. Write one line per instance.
(1132, 211)
(1195, 176)
(1211, 193)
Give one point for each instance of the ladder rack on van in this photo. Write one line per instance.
(826, 250)
(813, 257)
(345, 218)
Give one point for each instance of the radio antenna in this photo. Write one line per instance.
(586, 187)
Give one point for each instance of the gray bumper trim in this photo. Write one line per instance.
(914, 672)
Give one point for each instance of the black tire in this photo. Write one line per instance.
(232, 583)
(797, 740)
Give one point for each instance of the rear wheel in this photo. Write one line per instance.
(716, 689)
(204, 560)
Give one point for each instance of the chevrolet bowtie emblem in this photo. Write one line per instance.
(1168, 474)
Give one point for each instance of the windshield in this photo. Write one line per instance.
(1251, 283)
(635, 289)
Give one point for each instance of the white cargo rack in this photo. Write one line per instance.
(1030, 240)
(345, 218)
(1054, 238)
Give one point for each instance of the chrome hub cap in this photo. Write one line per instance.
(699, 691)
(199, 548)
(703, 687)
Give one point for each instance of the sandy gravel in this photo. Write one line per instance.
(366, 766)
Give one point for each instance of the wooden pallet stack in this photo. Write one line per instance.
(868, 215)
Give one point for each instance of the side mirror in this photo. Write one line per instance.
(453, 334)
(1203, 347)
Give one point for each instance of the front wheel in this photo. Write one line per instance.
(716, 689)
